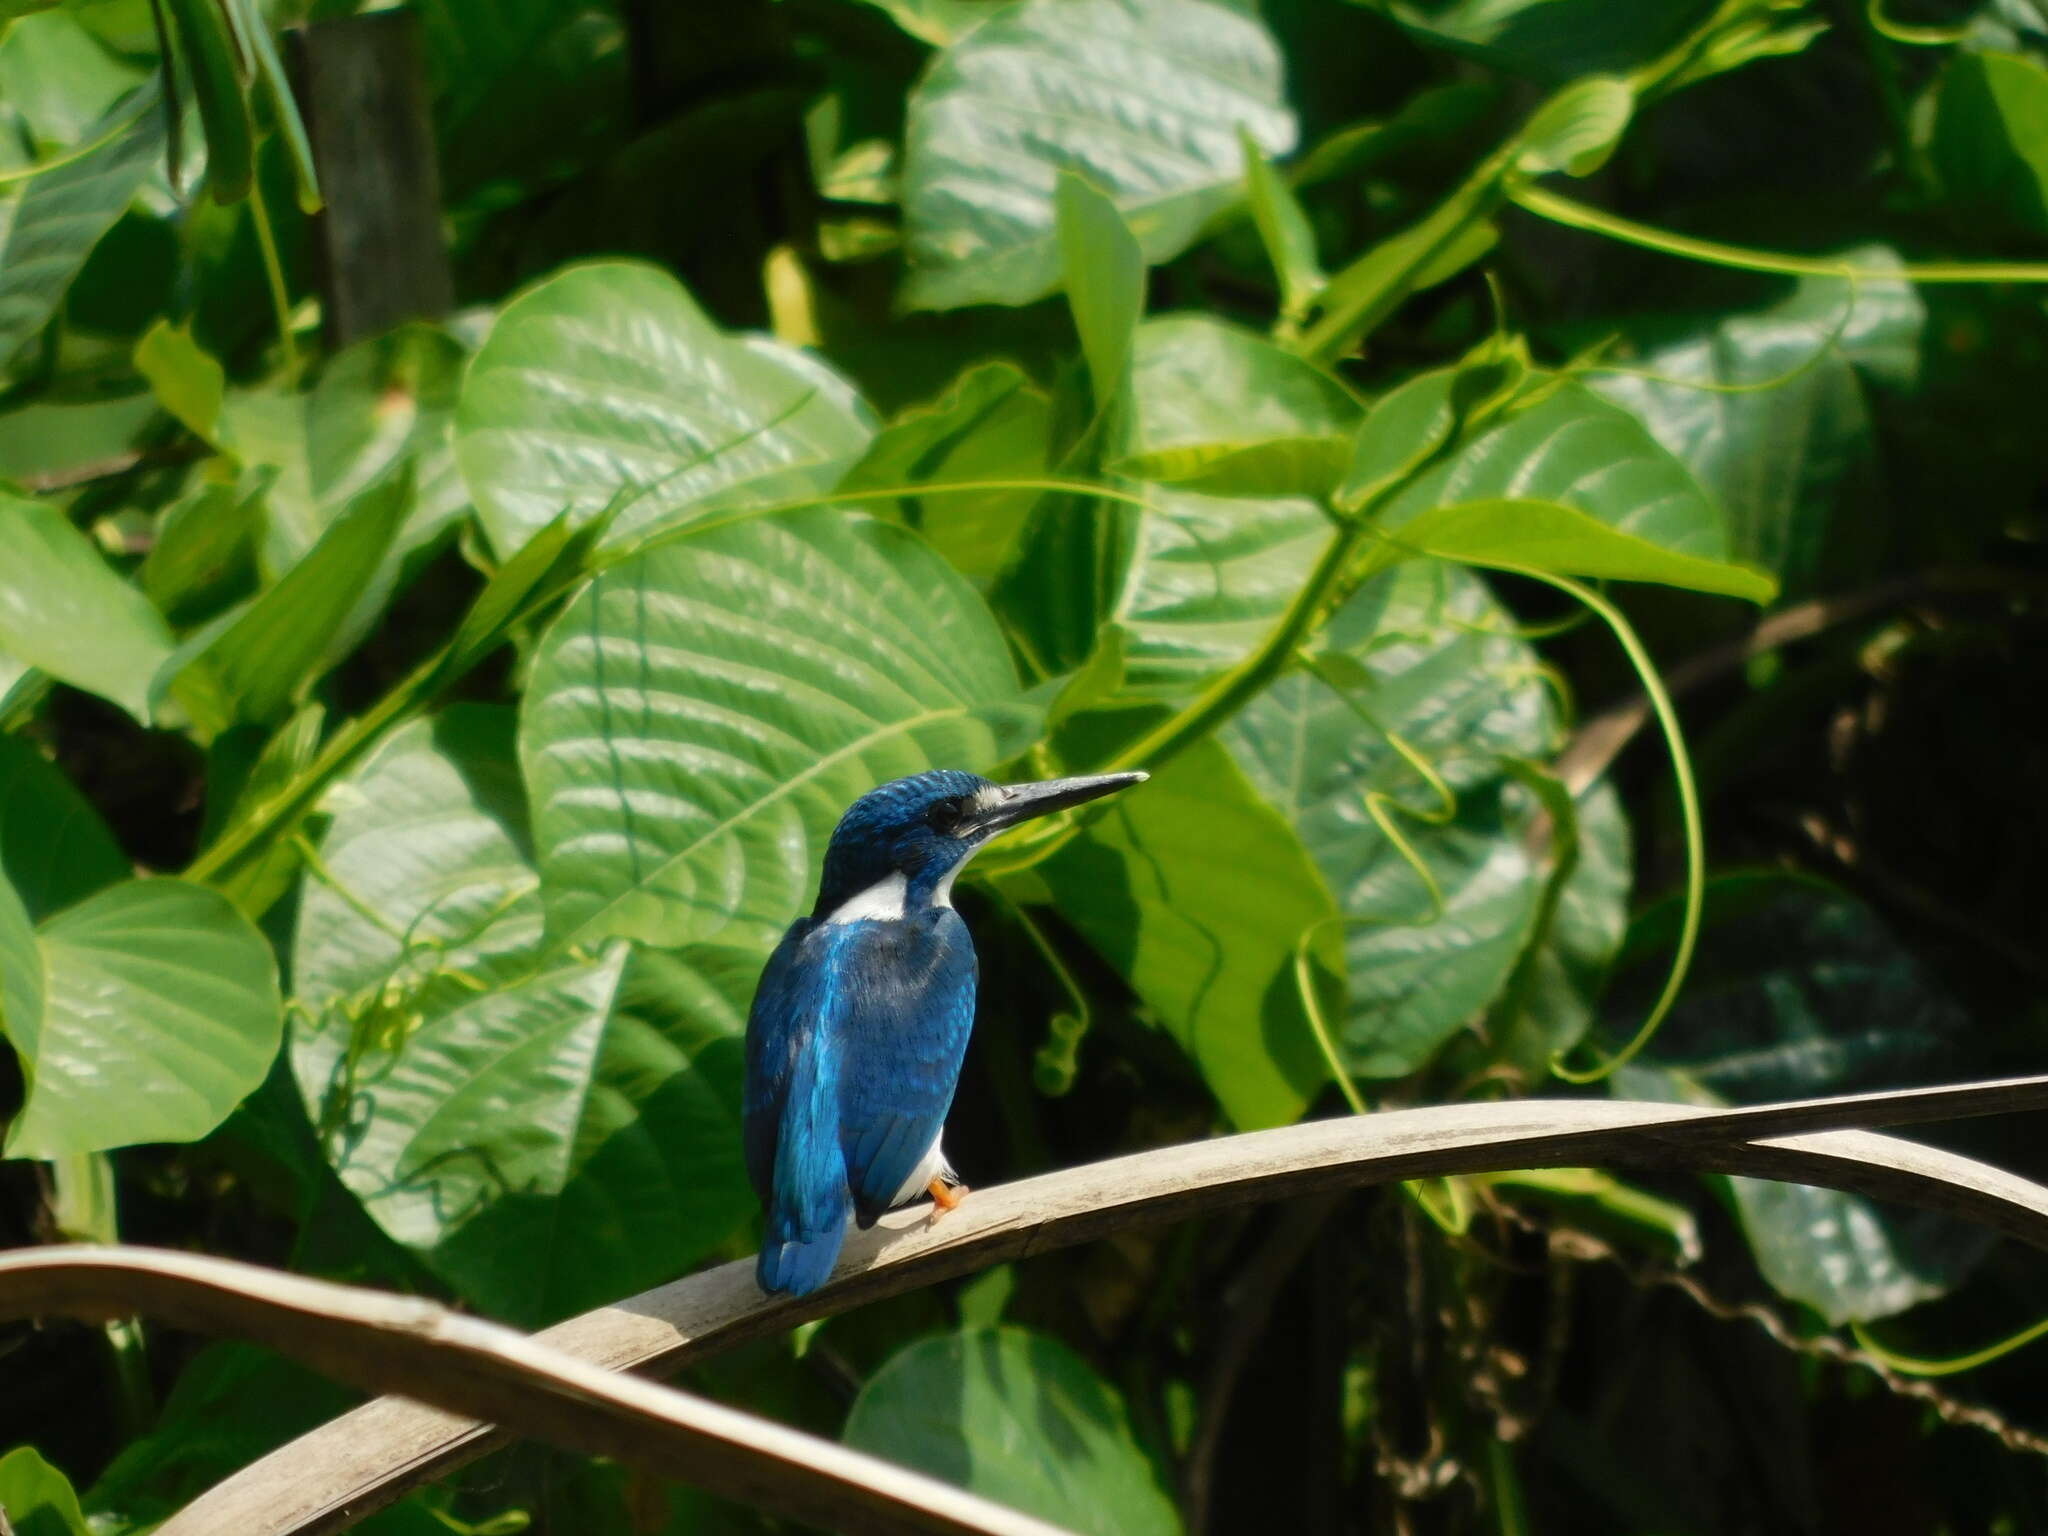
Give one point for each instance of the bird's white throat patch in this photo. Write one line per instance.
(882, 901)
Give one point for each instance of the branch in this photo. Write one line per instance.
(382, 1343)
(336, 1475)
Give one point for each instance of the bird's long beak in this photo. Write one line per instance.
(1007, 804)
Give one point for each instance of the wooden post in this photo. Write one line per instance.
(381, 258)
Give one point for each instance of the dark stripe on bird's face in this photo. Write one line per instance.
(1002, 806)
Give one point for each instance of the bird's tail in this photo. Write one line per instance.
(797, 1266)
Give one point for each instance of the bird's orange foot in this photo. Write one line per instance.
(945, 1197)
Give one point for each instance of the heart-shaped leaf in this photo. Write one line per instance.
(1791, 454)
(159, 1014)
(1425, 664)
(1799, 991)
(1573, 448)
(416, 956)
(1142, 97)
(992, 1409)
(1208, 578)
(699, 717)
(1200, 894)
(1218, 410)
(609, 376)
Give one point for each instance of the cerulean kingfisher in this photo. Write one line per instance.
(861, 1019)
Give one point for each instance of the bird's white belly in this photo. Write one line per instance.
(931, 1166)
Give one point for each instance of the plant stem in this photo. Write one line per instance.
(1574, 214)
(1236, 688)
(273, 272)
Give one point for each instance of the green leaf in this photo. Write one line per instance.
(183, 375)
(1799, 992)
(699, 717)
(1208, 579)
(1792, 457)
(427, 874)
(208, 52)
(60, 218)
(1552, 39)
(205, 550)
(608, 375)
(1218, 410)
(1419, 655)
(255, 667)
(1990, 140)
(1549, 536)
(620, 1165)
(1553, 1001)
(160, 1013)
(1104, 275)
(21, 964)
(1198, 892)
(1577, 129)
(54, 848)
(1018, 1418)
(37, 1498)
(60, 77)
(991, 424)
(1576, 449)
(1142, 97)
(62, 610)
(1284, 230)
(938, 22)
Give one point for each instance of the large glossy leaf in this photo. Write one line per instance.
(54, 849)
(1143, 97)
(991, 424)
(1417, 662)
(415, 958)
(1573, 448)
(553, 1143)
(429, 835)
(1552, 39)
(1799, 991)
(1216, 409)
(62, 610)
(1200, 894)
(700, 716)
(1018, 1418)
(1209, 576)
(1990, 139)
(159, 1014)
(1794, 466)
(609, 376)
(59, 220)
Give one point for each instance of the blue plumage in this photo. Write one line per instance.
(861, 1019)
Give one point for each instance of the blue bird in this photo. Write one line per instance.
(861, 1018)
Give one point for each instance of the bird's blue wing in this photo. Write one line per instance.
(903, 1035)
(790, 1116)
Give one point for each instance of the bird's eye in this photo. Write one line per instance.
(944, 816)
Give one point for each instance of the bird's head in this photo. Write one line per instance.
(902, 844)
